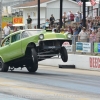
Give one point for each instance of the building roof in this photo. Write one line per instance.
(32, 3)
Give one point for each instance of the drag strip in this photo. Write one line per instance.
(50, 83)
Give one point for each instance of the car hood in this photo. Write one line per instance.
(54, 36)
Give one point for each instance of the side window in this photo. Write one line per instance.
(6, 42)
(24, 34)
(15, 37)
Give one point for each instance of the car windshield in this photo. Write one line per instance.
(33, 32)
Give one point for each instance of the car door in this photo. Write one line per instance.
(5, 49)
(16, 50)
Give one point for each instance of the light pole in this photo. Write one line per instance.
(84, 15)
(61, 7)
(38, 26)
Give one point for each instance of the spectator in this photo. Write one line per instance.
(75, 35)
(54, 29)
(70, 30)
(6, 30)
(82, 37)
(79, 28)
(46, 25)
(15, 29)
(72, 16)
(92, 37)
(77, 19)
(52, 19)
(29, 21)
(21, 27)
(62, 31)
(88, 33)
(68, 15)
(98, 35)
(64, 17)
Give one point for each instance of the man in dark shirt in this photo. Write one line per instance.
(29, 21)
(52, 19)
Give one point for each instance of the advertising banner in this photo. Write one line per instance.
(17, 20)
(67, 46)
(96, 47)
(83, 47)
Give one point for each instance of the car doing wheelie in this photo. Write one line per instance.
(25, 48)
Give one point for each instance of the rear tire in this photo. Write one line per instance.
(64, 55)
(3, 66)
(32, 65)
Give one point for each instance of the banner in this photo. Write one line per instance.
(69, 48)
(83, 47)
(96, 47)
(17, 20)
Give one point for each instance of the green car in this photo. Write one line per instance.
(25, 48)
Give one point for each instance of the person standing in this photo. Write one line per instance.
(72, 16)
(83, 36)
(6, 30)
(52, 19)
(29, 21)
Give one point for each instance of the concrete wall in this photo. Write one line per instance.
(80, 61)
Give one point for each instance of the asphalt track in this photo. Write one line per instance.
(50, 83)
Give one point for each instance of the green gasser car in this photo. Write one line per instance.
(25, 48)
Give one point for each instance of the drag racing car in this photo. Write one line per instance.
(25, 48)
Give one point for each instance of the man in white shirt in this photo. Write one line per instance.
(68, 15)
(6, 30)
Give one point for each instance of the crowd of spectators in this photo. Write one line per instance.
(73, 24)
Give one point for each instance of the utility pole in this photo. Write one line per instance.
(84, 14)
(61, 7)
(38, 14)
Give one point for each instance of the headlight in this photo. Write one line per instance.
(41, 36)
(69, 36)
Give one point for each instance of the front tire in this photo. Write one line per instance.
(3, 66)
(64, 55)
(32, 65)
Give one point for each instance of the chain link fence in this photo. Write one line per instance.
(88, 46)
